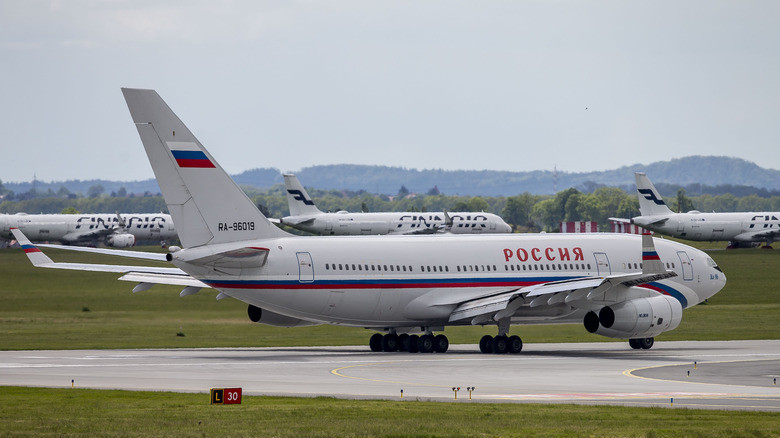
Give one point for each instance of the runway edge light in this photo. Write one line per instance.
(225, 396)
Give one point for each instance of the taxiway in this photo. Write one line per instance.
(711, 375)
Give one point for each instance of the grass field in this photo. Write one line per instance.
(54, 309)
(79, 412)
(57, 309)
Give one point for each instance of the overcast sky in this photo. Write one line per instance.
(504, 85)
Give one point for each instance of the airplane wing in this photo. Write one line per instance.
(88, 234)
(582, 293)
(429, 230)
(117, 252)
(585, 292)
(770, 234)
(146, 276)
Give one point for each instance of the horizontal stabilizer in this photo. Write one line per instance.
(230, 257)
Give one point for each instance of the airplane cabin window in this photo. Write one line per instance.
(340, 268)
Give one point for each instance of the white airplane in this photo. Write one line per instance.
(305, 216)
(119, 230)
(620, 286)
(695, 225)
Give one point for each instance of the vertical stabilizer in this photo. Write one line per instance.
(650, 201)
(206, 206)
(299, 201)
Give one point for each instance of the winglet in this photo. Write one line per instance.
(651, 262)
(33, 253)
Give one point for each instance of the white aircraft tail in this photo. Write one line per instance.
(205, 203)
(299, 201)
(650, 201)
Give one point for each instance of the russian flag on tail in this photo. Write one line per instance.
(30, 249)
(188, 154)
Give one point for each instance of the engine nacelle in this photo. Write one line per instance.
(637, 318)
(122, 240)
(267, 317)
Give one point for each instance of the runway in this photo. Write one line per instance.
(708, 375)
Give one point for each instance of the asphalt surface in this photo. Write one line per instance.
(707, 375)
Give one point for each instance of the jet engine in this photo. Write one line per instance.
(264, 316)
(637, 318)
(120, 240)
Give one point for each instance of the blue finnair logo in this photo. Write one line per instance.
(650, 196)
(298, 196)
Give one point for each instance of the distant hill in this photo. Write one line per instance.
(706, 170)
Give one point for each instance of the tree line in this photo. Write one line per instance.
(525, 212)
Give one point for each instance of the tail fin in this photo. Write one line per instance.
(299, 201)
(650, 201)
(205, 204)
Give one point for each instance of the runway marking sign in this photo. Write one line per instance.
(225, 396)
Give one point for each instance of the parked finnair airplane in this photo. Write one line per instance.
(121, 231)
(620, 286)
(695, 225)
(304, 215)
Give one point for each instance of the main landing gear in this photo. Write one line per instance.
(501, 344)
(427, 343)
(641, 343)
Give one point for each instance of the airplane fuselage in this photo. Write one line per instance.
(740, 227)
(345, 223)
(419, 280)
(78, 228)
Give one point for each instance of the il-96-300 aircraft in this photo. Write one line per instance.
(117, 230)
(304, 215)
(407, 288)
(694, 225)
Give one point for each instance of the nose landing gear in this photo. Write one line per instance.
(641, 343)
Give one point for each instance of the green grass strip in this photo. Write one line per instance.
(81, 412)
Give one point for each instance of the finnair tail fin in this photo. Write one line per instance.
(205, 203)
(299, 201)
(650, 201)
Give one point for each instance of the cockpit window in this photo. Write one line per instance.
(712, 264)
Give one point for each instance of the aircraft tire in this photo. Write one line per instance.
(500, 345)
(403, 342)
(515, 344)
(390, 342)
(413, 342)
(486, 344)
(425, 344)
(375, 343)
(634, 343)
(646, 343)
(441, 344)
